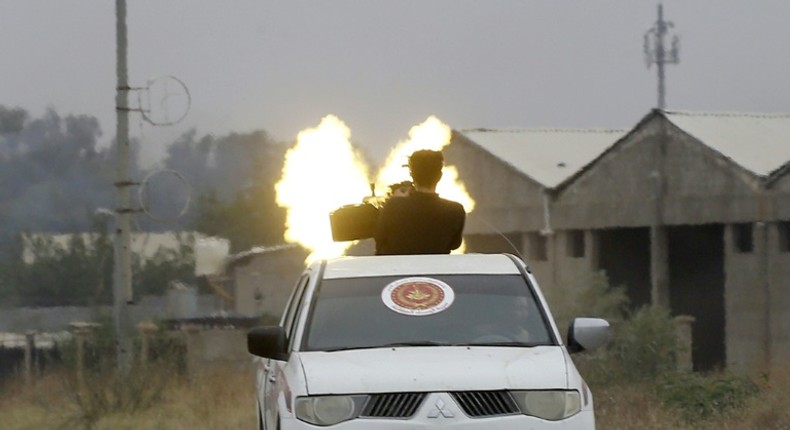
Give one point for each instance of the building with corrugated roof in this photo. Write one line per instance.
(688, 210)
(511, 174)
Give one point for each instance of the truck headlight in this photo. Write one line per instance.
(328, 410)
(549, 405)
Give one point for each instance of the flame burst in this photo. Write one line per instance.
(321, 172)
(324, 172)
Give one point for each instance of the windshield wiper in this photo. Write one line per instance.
(418, 343)
(393, 345)
(507, 343)
(434, 343)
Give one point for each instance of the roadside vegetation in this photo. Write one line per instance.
(636, 380)
(221, 399)
(158, 393)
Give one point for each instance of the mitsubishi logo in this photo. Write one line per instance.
(440, 410)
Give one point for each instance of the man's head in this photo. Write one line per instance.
(426, 167)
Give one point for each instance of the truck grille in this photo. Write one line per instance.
(394, 405)
(485, 403)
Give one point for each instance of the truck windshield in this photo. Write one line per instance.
(465, 310)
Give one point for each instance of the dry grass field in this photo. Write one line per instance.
(223, 399)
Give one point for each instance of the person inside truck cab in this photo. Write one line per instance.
(420, 222)
(510, 325)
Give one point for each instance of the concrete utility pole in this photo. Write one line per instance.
(659, 240)
(122, 269)
(656, 52)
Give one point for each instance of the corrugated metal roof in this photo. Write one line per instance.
(547, 155)
(758, 142)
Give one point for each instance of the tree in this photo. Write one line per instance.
(79, 273)
(47, 273)
(251, 219)
(233, 180)
(46, 166)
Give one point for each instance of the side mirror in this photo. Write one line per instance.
(586, 334)
(268, 342)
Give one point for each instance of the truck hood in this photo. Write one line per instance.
(407, 369)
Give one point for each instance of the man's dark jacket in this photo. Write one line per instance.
(421, 223)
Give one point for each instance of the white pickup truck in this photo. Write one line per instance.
(424, 341)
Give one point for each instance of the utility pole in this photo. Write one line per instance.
(122, 269)
(657, 53)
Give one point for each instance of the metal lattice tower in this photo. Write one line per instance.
(657, 53)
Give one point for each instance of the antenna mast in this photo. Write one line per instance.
(657, 53)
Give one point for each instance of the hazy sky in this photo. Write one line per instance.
(384, 66)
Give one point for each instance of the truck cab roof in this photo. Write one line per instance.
(360, 267)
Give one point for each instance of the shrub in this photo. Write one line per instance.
(100, 389)
(107, 392)
(645, 346)
(700, 397)
(596, 298)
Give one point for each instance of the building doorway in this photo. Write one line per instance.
(696, 288)
(624, 253)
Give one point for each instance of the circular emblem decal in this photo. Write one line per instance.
(417, 296)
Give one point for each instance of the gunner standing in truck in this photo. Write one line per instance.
(421, 222)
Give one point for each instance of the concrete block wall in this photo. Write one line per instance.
(779, 297)
(562, 272)
(745, 304)
(542, 269)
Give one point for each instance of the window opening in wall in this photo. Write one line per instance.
(783, 228)
(743, 238)
(575, 244)
(538, 245)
